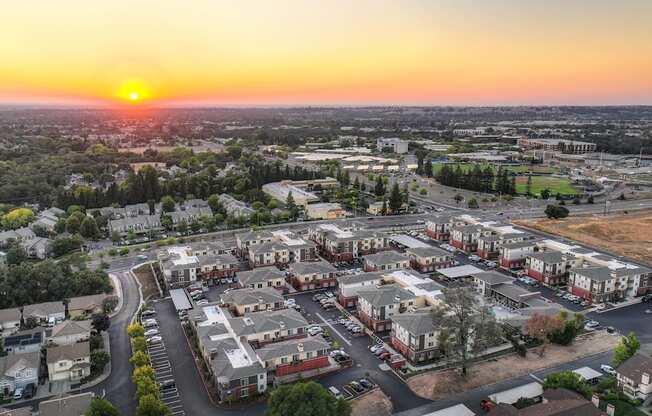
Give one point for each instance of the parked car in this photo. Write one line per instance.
(329, 294)
(356, 329)
(356, 387)
(318, 297)
(167, 384)
(335, 392)
(328, 306)
(148, 313)
(343, 321)
(375, 348)
(607, 369)
(202, 302)
(384, 356)
(156, 339)
(315, 330)
(366, 383)
(611, 330)
(29, 391)
(150, 323)
(380, 351)
(18, 393)
(592, 324)
(151, 332)
(290, 302)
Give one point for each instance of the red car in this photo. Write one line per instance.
(385, 356)
(487, 405)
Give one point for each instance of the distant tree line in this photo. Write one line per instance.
(479, 179)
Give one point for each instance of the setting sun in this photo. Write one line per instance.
(133, 96)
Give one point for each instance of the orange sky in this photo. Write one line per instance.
(218, 52)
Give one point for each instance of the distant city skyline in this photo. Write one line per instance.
(291, 52)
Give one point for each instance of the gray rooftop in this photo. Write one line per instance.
(549, 257)
(295, 346)
(44, 309)
(386, 257)
(599, 274)
(493, 278)
(302, 268)
(634, 367)
(418, 323)
(385, 295)
(428, 252)
(250, 296)
(255, 323)
(260, 275)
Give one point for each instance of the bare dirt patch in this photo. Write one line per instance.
(373, 404)
(147, 280)
(437, 385)
(626, 235)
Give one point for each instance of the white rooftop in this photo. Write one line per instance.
(511, 396)
(182, 256)
(587, 373)
(409, 282)
(459, 271)
(337, 230)
(457, 410)
(407, 241)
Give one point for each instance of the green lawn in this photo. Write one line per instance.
(556, 185)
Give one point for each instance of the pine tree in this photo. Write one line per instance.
(427, 168)
(395, 199)
(383, 209)
(379, 190)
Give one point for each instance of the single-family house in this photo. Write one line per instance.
(69, 362)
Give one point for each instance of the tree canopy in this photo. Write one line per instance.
(305, 399)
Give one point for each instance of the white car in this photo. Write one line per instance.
(315, 330)
(607, 369)
(375, 348)
(156, 339)
(289, 302)
(202, 302)
(592, 324)
(151, 332)
(329, 294)
(343, 321)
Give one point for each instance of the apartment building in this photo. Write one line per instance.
(633, 377)
(180, 267)
(429, 259)
(502, 290)
(244, 240)
(439, 227)
(234, 207)
(312, 275)
(249, 300)
(385, 261)
(489, 245)
(549, 267)
(337, 244)
(377, 306)
(268, 254)
(414, 335)
(604, 284)
(263, 277)
(295, 356)
(139, 224)
(513, 255)
(465, 237)
(350, 285)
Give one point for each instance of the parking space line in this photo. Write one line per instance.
(173, 402)
(158, 354)
(165, 363)
(333, 328)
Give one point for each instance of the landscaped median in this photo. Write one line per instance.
(143, 377)
(441, 384)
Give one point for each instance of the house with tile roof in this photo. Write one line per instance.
(70, 332)
(19, 370)
(248, 300)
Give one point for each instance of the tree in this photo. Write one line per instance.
(145, 387)
(150, 405)
(182, 227)
(115, 236)
(556, 212)
(468, 327)
(379, 189)
(167, 204)
(567, 380)
(214, 203)
(395, 199)
(540, 327)
(427, 167)
(143, 372)
(139, 359)
(139, 343)
(528, 186)
(305, 399)
(590, 200)
(473, 203)
(16, 254)
(109, 304)
(73, 223)
(458, 198)
(383, 208)
(626, 348)
(101, 407)
(88, 228)
(18, 217)
(545, 194)
(99, 360)
(100, 322)
(291, 206)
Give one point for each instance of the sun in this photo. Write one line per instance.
(134, 96)
(133, 91)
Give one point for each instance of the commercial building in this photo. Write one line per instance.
(325, 211)
(281, 190)
(558, 145)
(392, 144)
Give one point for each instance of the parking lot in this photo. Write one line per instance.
(162, 367)
(365, 365)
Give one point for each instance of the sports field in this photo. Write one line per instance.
(556, 185)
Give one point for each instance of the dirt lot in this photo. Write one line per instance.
(373, 404)
(147, 280)
(627, 235)
(441, 384)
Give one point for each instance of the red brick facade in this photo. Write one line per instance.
(437, 235)
(347, 302)
(304, 365)
(464, 247)
(511, 264)
(485, 254)
(547, 279)
(585, 294)
(425, 268)
(314, 284)
(375, 325)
